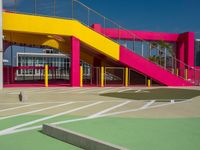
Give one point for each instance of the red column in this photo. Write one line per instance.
(189, 42)
(181, 56)
(75, 62)
(190, 54)
(185, 52)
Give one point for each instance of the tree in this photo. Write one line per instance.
(160, 47)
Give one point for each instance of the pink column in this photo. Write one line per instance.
(189, 48)
(180, 56)
(190, 54)
(188, 39)
(75, 62)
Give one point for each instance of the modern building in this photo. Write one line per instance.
(97, 52)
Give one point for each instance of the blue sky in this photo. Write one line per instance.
(174, 16)
(150, 15)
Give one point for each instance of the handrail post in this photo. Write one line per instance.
(46, 76)
(54, 8)
(186, 74)
(15, 5)
(35, 6)
(88, 17)
(72, 9)
(148, 83)
(102, 76)
(81, 76)
(126, 76)
(177, 71)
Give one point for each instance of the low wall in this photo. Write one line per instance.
(78, 140)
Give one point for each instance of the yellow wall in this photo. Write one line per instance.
(52, 26)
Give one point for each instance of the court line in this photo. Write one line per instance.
(90, 90)
(34, 111)
(95, 115)
(12, 108)
(172, 101)
(71, 90)
(138, 91)
(124, 90)
(155, 106)
(88, 118)
(107, 90)
(109, 109)
(58, 102)
(24, 90)
(54, 90)
(149, 103)
(96, 90)
(145, 106)
(66, 121)
(83, 90)
(47, 118)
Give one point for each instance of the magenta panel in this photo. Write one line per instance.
(150, 69)
(150, 36)
(185, 40)
(75, 62)
(180, 54)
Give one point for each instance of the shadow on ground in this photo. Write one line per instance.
(160, 94)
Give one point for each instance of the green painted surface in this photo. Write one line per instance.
(57, 119)
(10, 122)
(32, 140)
(143, 134)
(160, 94)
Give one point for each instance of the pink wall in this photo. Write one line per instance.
(145, 35)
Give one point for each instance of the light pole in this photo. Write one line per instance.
(1, 47)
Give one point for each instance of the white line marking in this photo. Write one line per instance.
(47, 118)
(67, 121)
(137, 91)
(90, 90)
(14, 93)
(70, 90)
(172, 101)
(141, 91)
(88, 118)
(107, 90)
(26, 91)
(19, 107)
(124, 90)
(104, 115)
(83, 90)
(34, 111)
(57, 102)
(109, 109)
(54, 90)
(148, 104)
(142, 108)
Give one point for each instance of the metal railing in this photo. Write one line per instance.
(73, 9)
